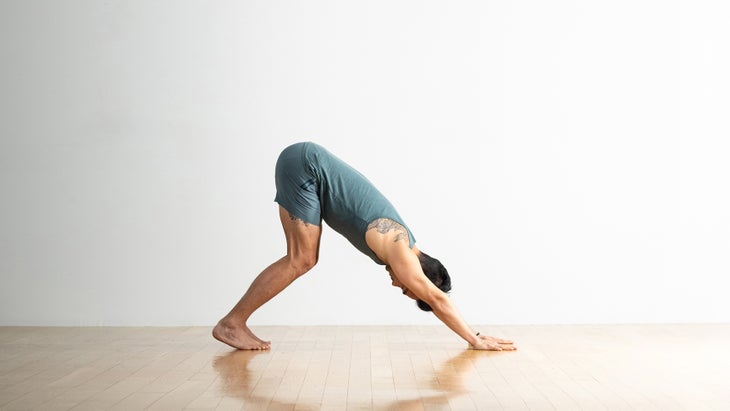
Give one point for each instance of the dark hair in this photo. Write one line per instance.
(436, 272)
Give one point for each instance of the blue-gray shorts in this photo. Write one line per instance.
(297, 187)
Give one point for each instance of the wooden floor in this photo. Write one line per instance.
(655, 367)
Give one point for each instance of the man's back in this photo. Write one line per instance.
(349, 200)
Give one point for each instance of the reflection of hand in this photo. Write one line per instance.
(492, 344)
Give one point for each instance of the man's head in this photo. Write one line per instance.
(436, 272)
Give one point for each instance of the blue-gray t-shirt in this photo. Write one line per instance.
(348, 201)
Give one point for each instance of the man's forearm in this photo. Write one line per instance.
(446, 311)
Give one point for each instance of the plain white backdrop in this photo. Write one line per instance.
(566, 160)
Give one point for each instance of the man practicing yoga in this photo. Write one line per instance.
(311, 185)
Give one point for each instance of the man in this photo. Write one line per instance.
(311, 185)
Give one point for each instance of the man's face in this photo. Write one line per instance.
(396, 283)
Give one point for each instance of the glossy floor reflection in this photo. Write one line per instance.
(298, 380)
(615, 367)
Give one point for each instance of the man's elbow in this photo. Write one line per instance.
(439, 302)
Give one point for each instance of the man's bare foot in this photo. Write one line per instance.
(251, 334)
(238, 337)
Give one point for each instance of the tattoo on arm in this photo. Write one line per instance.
(385, 225)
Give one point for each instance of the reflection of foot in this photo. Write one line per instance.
(238, 337)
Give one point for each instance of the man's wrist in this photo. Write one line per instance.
(474, 338)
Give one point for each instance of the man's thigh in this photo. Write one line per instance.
(302, 238)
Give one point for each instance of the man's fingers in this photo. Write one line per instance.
(494, 344)
(498, 340)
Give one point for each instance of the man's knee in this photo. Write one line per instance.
(302, 263)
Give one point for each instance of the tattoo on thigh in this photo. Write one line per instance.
(294, 218)
(385, 225)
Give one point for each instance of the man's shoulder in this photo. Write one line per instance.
(385, 225)
(387, 237)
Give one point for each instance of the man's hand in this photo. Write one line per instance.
(492, 344)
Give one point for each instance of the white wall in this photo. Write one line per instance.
(567, 161)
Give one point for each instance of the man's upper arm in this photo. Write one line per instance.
(408, 269)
